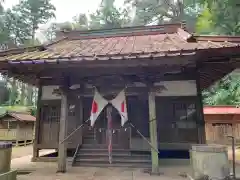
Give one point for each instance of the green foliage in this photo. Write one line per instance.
(20, 23)
(225, 92)
(204, 23)
(107, 17)
(161, 11)
(1, 6)
(25, 109)
(221, 17)
(35, 12)
(225, 16)
(33, 111)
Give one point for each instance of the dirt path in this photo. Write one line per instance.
(24, 162)
(21, 151)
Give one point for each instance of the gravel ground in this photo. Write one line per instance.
(90, 173)
(47, 171)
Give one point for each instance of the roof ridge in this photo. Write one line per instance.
(218, 38)
(125, 31)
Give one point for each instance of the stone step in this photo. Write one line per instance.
(89, 136)
(89, 141)
(121, 165)
(98, 146)
(98, 149)
(114, 155)
(105, 160)
(103, 153)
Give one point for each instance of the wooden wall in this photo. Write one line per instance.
(49, 123)
(170, 128)
(16, 130)
(25, 131)
(217, 127)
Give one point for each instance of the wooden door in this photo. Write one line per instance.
(49, 126)
(99, 133)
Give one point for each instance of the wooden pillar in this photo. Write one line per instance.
(81, 111)
(37, 125)
(79, 118)
(153, 131)
(199, 108)
(62, 149)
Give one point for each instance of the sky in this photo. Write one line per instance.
(66, 9)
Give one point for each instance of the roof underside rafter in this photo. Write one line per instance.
(146, 47)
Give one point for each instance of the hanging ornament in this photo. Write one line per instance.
(98, 105)
(120, 104)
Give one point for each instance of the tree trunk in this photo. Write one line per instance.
(181, 10)
(13, 94)
(23, 94)
(29, 95)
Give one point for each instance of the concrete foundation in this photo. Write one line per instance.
(211, 161)
(5, 162)
(5, 156)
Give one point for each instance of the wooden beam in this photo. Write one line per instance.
(135, 77)
(153, 131)
(37, 125)
(130, 91)
(200, 114)
(79, 114)
(110, 62)
(88, 72)
(62, 150)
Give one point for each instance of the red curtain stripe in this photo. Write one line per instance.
(94, 107)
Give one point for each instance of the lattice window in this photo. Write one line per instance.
(185, 115)
(50, 113)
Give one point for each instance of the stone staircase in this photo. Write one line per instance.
(96, 155)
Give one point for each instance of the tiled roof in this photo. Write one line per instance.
(125, 43)
(210, 110)
(23, 117)
(20, 116)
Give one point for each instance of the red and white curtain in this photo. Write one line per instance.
(120, 104)
(99, 103)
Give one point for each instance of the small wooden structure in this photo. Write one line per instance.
(162, 68)
(221, 121)
(17, 127)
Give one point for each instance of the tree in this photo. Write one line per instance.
(17, 28)
(225, 92)
(108, 16)
(13, 92)
(23, 21)
(225, 16)
(4, 92)
(221, 17)
(81, 22)
(161, 11)
(205, 23)
(35, 12)
(1, 6)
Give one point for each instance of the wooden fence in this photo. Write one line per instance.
(218, 132)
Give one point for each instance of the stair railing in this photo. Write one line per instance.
(144, 138)
(75, 154)
(73, 132)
